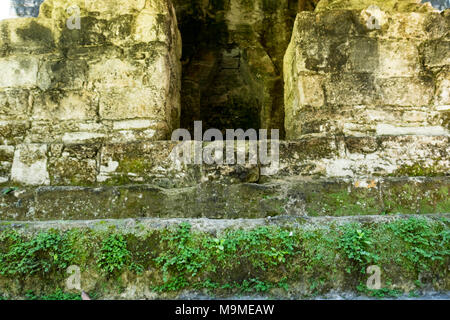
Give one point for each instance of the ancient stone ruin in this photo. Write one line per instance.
(359, 91)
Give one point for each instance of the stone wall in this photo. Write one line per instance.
(368, 72)
(86, 172)
(88, 107)
(116, 79)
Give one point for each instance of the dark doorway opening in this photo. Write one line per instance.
(232, 62)
(217, 87)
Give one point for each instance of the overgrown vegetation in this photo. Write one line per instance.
(234, 261)
(224, 258)
(356, 243)
(46, 252)
(58, 294)
(114, 255)
(426, 245)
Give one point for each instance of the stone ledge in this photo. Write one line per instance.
(293, 197)
(94, 163)
(213, 226)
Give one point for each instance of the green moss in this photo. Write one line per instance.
(343, 203)
(421, 198)
(114, 254)
(134, 165)
(420, 169)
(37, 33)
(355, 242)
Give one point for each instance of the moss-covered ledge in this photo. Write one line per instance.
(293, 197)
(274, 258)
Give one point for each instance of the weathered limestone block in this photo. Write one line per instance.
(364, 156)
(56, 72)
(317, 238)
(123, 63)
(153, 162)
(69, 131)
(386, 5)
(14, 104)
(30, 165)
(344, 75)
(73, 164)
(27, 36)
(436, 53)
(397, 58)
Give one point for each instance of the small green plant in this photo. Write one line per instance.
(355, 241)
(379, 293)
(45, 252)
(183, 258)
(425, 244)
(114, 255)
(191, 259)
(57, 295)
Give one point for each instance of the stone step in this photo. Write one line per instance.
(150, 162)
(294, 196)
(282, 257)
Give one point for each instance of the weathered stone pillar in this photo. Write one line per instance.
(87, 71)
(368, 68)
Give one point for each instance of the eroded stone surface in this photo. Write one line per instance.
(30, 165)
(346, 76)
(122, 64)
(294, 197)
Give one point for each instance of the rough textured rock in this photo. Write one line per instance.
(142, 162)
(386, 5)
(294, 197)
(26, 8)
(85, 121)
(117, 78)
(367, 72)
